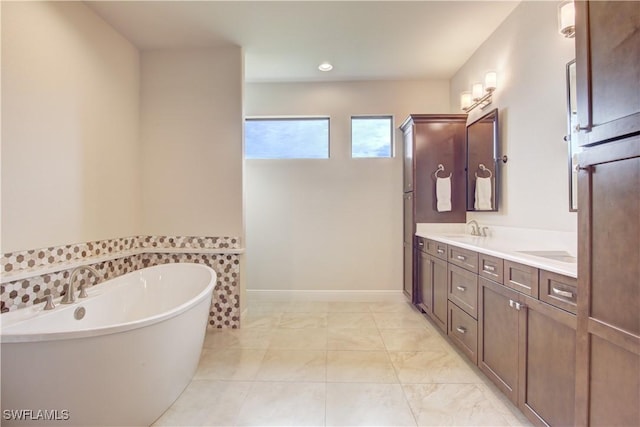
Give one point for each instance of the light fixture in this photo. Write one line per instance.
(325, 66)
(479, 96)
(567, 19)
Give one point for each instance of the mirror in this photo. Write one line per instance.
(572, 137)
(482, 163)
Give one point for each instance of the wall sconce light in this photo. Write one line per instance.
(479, 96)
(567, 19)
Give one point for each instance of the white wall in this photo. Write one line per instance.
(191, 132)
(331, 224)
(530, 57)
(70, 102)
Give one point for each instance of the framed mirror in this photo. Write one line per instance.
(572, 136)
(482, 163)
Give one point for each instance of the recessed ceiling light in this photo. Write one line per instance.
(325, 66)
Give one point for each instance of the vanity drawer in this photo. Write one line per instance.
(463, 258)
(558, 290)
(522, 278)
(463, 290)
(437, 249)
(491, 268)
(463, 331)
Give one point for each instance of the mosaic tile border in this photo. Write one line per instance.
(225, 307)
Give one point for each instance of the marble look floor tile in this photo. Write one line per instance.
(452, 405)
(206, 403)
(284, 404)
(432, 367)
(303, 320)
(293, 365)
(360, 366)
(413, 340)
(502, 404)
(355, 404)
(267, 307)
(299, 339)
(404, 320)
(354, 339)
(229, 364)
(348, 307)
(391, 307)
(237, 338)
(260, 321)
(307, 307)
(351, 320)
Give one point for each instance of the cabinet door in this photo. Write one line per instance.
(408, 158)
(548, 351)
(439, 312)
(607, 69)
(425, 282)
(498, 336)
(408, 270)
(608, 347)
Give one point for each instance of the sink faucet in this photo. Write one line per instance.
(475, 228)
(69, 297)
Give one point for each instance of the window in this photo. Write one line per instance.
(371, 136)
(291, 138)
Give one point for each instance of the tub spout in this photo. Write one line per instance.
(69, 297)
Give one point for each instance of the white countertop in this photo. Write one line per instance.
(509, 246)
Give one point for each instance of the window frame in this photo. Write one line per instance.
(392, 151)
(288, 118)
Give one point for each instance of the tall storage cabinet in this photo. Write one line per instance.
(428, 141)
(608, 331)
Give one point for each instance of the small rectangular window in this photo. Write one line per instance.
(287, 138)
(371, 136)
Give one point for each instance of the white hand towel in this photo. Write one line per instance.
(443, 194)
(483, 194)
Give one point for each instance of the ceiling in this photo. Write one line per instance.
(287, 40)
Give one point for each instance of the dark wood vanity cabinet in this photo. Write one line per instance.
(527, 348)
(607, 70)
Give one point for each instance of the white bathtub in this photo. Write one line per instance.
(124, 363)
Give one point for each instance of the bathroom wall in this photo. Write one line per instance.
(530, 57)
(336, 224)
(70, 114)
(191, 134)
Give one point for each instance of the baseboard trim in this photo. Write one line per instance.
(324, 295)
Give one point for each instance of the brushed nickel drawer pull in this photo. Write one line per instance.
(420, 243)
(461, 288)
(489, 268)
(562, 293)
(461, 258)
(440, 251)
(461, 329)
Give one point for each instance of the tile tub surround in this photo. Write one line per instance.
(28, 276)
(359, 365)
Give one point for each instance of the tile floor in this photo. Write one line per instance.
(336, 364)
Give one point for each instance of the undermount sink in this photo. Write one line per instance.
(562, 256)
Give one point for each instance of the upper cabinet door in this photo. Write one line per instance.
(607, 70)
(407, 147)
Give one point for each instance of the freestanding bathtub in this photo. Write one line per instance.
(124, 363)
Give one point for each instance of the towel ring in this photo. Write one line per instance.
(440, 169)
(484, 169)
